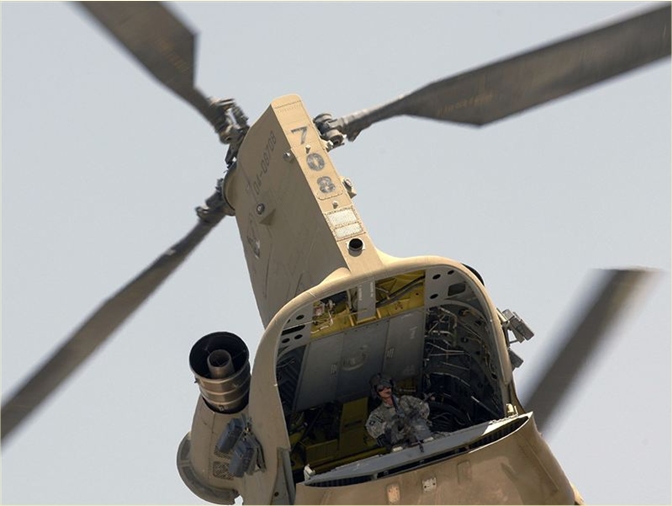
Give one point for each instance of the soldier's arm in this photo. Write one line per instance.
(424, 409)
(375, 426)
(418, 406)
(379, 430)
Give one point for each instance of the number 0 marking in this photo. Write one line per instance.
(315, 161)
(304, 131)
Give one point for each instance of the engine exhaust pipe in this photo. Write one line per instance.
(221, 365)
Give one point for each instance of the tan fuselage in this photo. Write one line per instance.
(307, 251)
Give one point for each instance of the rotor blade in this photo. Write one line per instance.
(618, 287)
(159, 40)
(513, 85)
(101, 324)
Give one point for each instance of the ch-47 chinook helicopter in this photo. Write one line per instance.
(354, 314)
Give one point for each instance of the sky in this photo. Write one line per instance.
(102, 169)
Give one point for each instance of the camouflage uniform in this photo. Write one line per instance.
(385, 418)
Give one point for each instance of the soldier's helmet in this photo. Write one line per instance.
(380, 380)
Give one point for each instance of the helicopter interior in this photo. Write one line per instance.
(429, 331)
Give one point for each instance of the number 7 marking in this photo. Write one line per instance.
(304, 131)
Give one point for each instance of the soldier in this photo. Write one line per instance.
(396, 420)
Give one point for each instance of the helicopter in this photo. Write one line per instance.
(357, 201)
